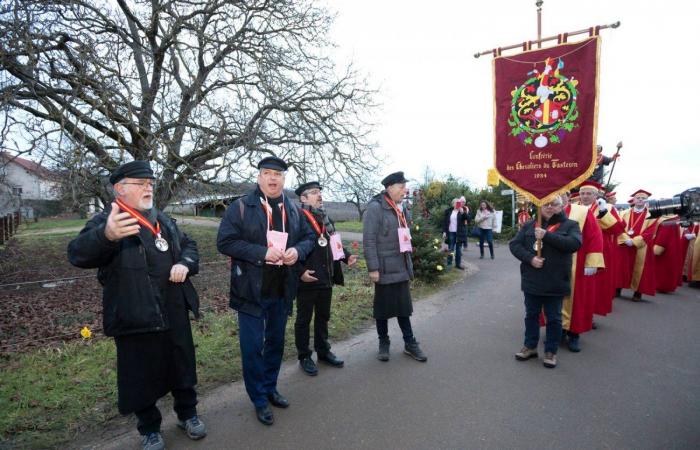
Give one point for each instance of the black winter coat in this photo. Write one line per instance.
(243, 236)
(554, 278)
(320, 260)
(462, 220)
(128, 304)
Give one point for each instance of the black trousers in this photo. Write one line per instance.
(404, 324)
(185, 407)
(316, 302)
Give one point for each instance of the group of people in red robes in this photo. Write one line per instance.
(622, 250)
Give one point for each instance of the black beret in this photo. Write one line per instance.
(306, 186)
(273, 162)
(394, 178)
(133, 169)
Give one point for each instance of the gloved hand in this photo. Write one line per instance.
(629, 243)
(602, 205)
(690, 236)
(588, 271)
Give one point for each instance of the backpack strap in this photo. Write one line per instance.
(241, 207)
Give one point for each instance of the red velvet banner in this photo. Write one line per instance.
(546, 110)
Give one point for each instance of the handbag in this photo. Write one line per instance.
(476, 232)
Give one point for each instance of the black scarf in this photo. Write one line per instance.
(321, 217)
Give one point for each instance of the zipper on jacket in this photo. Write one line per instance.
(148, 279)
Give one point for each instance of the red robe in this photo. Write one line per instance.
(667, 249)
(577, 309)
(639, 259)
(611, 226)
(523, 218)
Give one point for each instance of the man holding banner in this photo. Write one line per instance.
(545, 135)
(545, 276)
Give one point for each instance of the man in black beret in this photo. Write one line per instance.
(321, 270)
(273, 163)
(394, 178)
(390, 265)
(266, 237)
(133, 169)
(144, 264)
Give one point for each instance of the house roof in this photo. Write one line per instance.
(28, 165)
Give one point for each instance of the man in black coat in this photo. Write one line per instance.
(266, 238)
(320, 272)
(144, 263)
(545, 279)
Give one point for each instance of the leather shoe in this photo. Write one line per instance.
(308, 366)
(264, 414)
(332, 360)
(277, 400)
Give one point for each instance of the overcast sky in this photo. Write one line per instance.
(437, 98)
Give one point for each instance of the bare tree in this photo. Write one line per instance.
(201, 88)
(357, 190)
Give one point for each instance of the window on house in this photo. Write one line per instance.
(16, 190)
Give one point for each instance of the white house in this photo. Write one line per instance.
(25, 178)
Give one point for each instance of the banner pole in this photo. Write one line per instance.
(539, 225)
(494, 51)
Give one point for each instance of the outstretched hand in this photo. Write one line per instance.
(120, 225)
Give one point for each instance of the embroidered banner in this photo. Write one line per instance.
(546, 109)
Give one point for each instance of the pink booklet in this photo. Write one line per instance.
(405, 240)
(277, 239)
(337, 247)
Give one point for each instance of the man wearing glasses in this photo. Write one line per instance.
(144, 264)
(545, 279)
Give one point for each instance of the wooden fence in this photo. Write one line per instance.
(9, 223)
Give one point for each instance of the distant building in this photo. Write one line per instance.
(29, 179)
(212, 200)
(26, 183)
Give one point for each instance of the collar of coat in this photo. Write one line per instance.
(381, 198)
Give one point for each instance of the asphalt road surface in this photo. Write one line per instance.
(635, 385)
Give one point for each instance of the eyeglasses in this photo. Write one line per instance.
(143, 185)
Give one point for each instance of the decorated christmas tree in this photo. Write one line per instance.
(428, 259)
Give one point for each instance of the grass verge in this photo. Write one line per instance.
(46, 224)
(353, 226)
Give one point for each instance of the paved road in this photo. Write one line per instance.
(634, 386)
